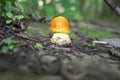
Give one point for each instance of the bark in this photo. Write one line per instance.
(113, 6)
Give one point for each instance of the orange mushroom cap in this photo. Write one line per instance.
(60, 25)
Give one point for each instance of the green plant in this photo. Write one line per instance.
(28, 7)
(113, 51)
(10, 45)
(18, 9)
(38, 45)
(11, 17)
(93, 45)
(7, 11)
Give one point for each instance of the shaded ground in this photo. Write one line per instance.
(82, 60)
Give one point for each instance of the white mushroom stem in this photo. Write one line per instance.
(60, 38)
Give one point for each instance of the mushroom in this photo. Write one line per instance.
(60, 28)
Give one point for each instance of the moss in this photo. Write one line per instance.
(95, 33)
(38, 29)
(74, 36)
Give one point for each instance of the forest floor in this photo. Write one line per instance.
(37, 58)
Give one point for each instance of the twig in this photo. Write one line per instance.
(113, 6)
(26, 37)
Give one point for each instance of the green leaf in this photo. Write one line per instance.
(11, 47)
(38, 45)
(8, 21)
(8, 6)
(9, 15)
(5, 49)
(8, 40)
(19, 17)
(15, 50)
(19, 5)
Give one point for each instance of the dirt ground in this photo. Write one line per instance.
(81, 60)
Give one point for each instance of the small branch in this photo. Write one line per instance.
(113, 6)
(26, 37)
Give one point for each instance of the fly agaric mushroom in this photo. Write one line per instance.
(60, 28)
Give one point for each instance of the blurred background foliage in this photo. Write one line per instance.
(74, 10)
(67, 8)
(71, 9)
(97, 9)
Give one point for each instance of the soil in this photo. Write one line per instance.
(81, 60)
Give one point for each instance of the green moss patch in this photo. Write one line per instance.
(95, 33)
(38, 29)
